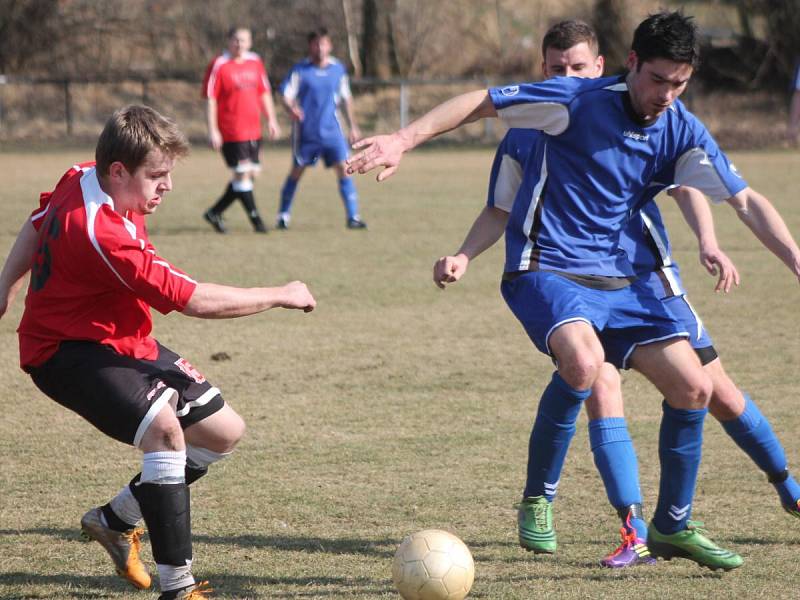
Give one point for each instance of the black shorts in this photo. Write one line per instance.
(236, 152)
(121, 395)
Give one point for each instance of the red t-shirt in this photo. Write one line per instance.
(95, 275)
(237, 87)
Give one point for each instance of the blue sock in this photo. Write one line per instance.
(752, 433)
(287, 194)
(551, 435)
(616, 462)
(347, 190)
(680, 443)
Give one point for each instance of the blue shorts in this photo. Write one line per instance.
(333, 150)
(698, 335)
(623, 318)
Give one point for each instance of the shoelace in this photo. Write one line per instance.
(696, 526)
(540, 515)
(628, 540)
(200, 594)
(133, 537)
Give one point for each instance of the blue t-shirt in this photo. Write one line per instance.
(318, 91)
(591, 169)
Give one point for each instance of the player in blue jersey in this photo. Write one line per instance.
(566, 277)
(312, 92)
(570, 48)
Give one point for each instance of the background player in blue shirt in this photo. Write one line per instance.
(568, 281)
(570, 48)
(312, 92)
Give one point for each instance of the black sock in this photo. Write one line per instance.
(225, 200)
(113, 521)
(249, 203)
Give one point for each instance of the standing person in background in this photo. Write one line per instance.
(793, 130)
(312, 93)
(237, 92)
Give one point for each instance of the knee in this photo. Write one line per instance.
(606, 398)
(164, 433)
(581, 371)
(697, 391)
(225, 439)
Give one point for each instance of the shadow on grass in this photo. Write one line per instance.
(378, 548)
(232, 586)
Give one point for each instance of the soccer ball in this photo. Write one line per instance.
(433, 565)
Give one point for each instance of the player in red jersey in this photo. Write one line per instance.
(85, 338)
(237, 92)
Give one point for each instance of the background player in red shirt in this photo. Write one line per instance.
(85, 338)
(237, 92)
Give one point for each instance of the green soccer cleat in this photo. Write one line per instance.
(793, 510)
(691, 543)
(535, 525)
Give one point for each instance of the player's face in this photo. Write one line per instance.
(320, 48)
(239, 43)
(143, 190)
(577, 61)
(655, 84)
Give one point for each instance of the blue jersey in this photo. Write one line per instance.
(509, 161)
(592, 166)
(318, 91)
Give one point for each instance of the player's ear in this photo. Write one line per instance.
(600, 64)
(117, 170)
(632, 60)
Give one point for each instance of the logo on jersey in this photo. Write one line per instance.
(185, 366)
(510, 90)
(635, 135)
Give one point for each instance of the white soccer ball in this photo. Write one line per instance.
(433, 565)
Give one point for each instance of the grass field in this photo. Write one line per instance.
(394, 406)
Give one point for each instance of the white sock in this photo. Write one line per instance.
(171, 577)
(164, 467)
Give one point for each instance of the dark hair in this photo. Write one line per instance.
(317, 33)
(668, 35)
(232, 31)
(131, 133)
(566, 34)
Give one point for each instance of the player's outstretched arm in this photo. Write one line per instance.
(695, 210)
(484, 233)
(213, 301)
(17, 264)
(755, 211)
(387, 150)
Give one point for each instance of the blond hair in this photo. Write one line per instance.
(132, 133)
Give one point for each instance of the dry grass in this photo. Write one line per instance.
(393, 407)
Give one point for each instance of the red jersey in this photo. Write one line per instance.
(95, 275)
(237, 87)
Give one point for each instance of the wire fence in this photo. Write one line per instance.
(75, 109)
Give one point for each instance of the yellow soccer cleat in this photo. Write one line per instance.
(122, 547)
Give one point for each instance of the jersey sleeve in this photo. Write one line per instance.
(263, 80)
(207, 91)
(506, 175)
(290, 86)
(134, 262)
(705, 167)
(344, 91)
(543, 106)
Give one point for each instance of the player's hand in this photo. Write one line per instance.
(449, 269)
(718, 264)
(377, 151)
(215, 140)
(298, 296)
(355, 134)
(273, 129)
(296, 113)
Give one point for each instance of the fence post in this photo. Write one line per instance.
(3, 81)
(403, 103)
(67, 107)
